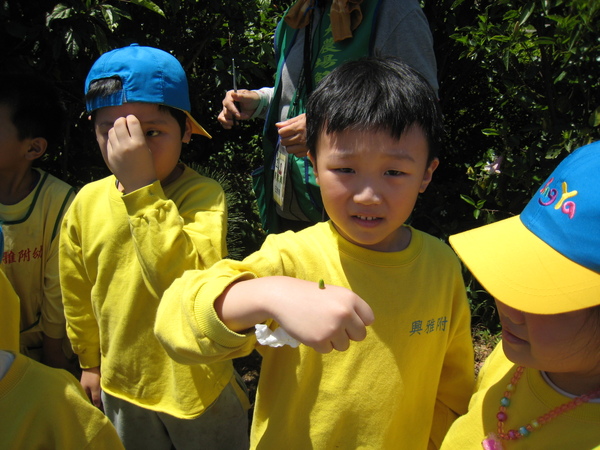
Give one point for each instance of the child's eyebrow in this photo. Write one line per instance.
(394, 153)
(401, 155)
(110, 124)
(153, 122)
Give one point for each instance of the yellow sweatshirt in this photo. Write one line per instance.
(399, 388)
(9, 317)
(118, 254)
(42, 407)
(578, 429)
(31, 230)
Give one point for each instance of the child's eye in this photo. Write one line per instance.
(394, 173)
(152, 133)
(345, 170)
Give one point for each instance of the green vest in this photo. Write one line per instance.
(327, 55)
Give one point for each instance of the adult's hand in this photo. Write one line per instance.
(238, 105)
(292, 134)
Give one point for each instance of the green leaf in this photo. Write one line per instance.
(544, 40)
(560, 76)
(109, 17)
(490, 132)
(60, 11)
(468, 199)
(526, 13)
(506, 60)
(148, 5)
(100, 39)
(72, 44)
(595, 117)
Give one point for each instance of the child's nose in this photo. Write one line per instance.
(367, 194)
(514, 315)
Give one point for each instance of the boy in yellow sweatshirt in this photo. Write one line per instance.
(32, 205)
(125, 239)
(373, 132)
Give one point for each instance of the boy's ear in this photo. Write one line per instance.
(428, 175)
(37, 149)
(313, 161)
(187, 133)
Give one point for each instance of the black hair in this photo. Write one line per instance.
(374, 93)
(36, 109)
(108, 86)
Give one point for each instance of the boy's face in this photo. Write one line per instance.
(370, 182)
(12, 148)
(159, 132)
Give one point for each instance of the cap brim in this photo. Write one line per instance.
(196, 127)
(522, 271)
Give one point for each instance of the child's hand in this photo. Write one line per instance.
(324, 319)
(90, 381)
(128, 155)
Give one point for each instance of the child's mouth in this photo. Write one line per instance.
(368, 218)
(512, 338)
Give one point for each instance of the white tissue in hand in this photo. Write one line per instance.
(277, 338)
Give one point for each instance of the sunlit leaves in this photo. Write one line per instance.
(541, 59)
(148, 5)
(79, 21)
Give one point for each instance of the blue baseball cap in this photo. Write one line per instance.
(547, 259)
(148, 75)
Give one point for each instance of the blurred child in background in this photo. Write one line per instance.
(32, 205)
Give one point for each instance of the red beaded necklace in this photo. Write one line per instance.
(494, 440)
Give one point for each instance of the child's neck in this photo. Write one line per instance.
(575, 384)
(14, 187)
(173, 176)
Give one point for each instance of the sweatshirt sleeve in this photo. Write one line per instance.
(187, 324)
(82, 327)
(172, 235)
(265, 95)
(52, 320)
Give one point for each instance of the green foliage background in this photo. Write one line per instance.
(519, 85)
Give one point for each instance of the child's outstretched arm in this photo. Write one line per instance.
(209, 315)
(324, 319)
